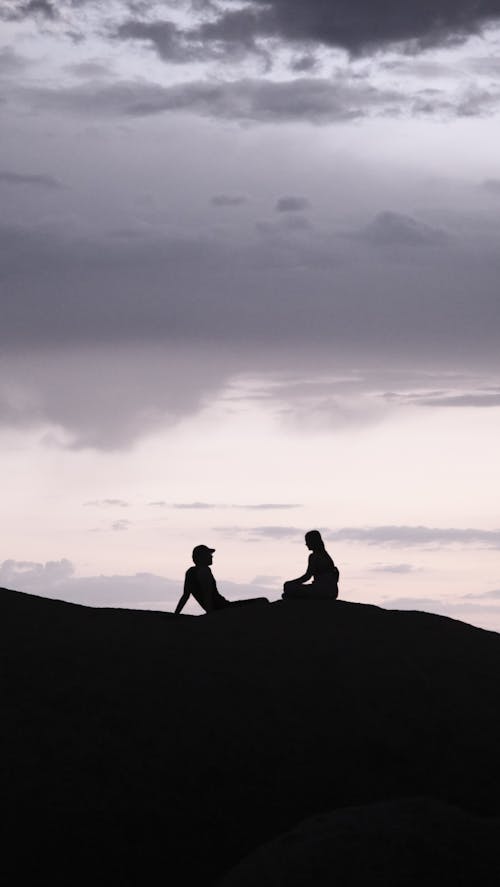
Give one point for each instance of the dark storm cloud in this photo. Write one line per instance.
(39, 180)
(228, 200)
(93, 284)
(357, 25)
(409, 537)
(354, 25)
(171, 43)
(63, 289)
(291, 204)
(396, 229)
(40, 7)
(16, 10)
(229, 38)
(86, 319)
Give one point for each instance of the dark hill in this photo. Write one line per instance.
(138, 741)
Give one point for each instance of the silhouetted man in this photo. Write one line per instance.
(200, 583)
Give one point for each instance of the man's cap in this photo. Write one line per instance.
(202, 549)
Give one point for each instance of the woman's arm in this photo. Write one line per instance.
(307, 575)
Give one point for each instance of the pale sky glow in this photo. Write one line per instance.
(249, 287)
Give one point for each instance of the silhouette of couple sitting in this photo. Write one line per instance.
(200, 583)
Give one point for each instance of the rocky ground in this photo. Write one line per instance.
(303, 742)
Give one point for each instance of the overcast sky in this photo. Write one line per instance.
(249, 281)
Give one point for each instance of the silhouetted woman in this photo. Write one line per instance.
(320, 568)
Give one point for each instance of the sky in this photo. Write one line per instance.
(249, 287)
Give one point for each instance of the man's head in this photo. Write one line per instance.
(202, 555)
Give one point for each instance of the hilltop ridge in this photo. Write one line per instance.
(143, 739)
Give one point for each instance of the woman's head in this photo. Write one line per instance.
(314, 541)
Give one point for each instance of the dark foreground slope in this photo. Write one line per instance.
(143, 741)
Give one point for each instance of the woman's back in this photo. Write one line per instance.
(321, 563)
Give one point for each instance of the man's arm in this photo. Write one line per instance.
(182, 602)
(184, 598)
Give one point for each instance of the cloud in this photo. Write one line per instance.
(228, 200)
(269, 532)
(11, 62)
(229, 38)
(106, 503)
(30, 574)
(421, 68)
(90, 69)
(488, 66)
(304, 63)
(291, 204)
(492, 185)
(420, 536)
(170, 42)
(74, 392)
(40, 7)
(481, 398)
(264, 506)
(56, 579)
(383, 536)
(400, 569)
(268, 581)
(483, 615)
(397, 229)
(195, 506)
(43, 181)
(318, 100)
(463, 400)
(119, 526)
(269, 506)
(485, 596)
